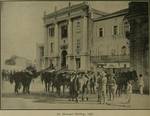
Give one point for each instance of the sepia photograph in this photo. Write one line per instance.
(75, 55)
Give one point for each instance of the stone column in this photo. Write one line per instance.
(70, 37)
(56, 46)
(84, 51)
(45, 41)
(45, 45)
(85, 38)
(70, 57)
(56, 40)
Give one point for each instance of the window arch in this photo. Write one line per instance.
(124, 50)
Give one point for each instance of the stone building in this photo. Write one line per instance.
(137, 17)
(79, 37)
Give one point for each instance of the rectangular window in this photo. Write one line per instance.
(101, 32)
(64, 32)
(78, 44)
(52, 45)
(51, 31)
(78, 26)
(115, 30)
(41, 51)
(78, 47)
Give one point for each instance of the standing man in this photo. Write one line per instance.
(104, 84)
(112, 87)
(129, 91)
(99, 87)
(92, 82)
(141, 84)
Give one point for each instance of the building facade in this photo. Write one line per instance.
(137, 16)
(79, 37)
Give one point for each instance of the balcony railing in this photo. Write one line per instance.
(110, 58)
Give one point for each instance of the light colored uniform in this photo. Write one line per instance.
(129, 92)
(141, 85)
(112, 88)
(104, 84)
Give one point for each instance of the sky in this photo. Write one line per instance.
(22, 24)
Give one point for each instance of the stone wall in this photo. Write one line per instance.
(138, 37)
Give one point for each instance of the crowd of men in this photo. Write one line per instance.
(100, 83)
(104, 84)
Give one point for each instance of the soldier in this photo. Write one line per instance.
(104, 83)
(112, 87)
(72, 87)
(92, 82)
(99, 86)
(141, 84)
(129, 91)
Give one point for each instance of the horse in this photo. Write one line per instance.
(61, 79)
(48, 78)
(23, 78)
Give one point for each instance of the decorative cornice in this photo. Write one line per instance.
(74, 11)
(66, 10)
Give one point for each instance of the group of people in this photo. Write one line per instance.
(100, 83)
(6, 74)
(104, 84)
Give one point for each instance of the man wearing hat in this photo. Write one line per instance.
(99, 86)
(104, 84)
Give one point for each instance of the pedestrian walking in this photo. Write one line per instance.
(141, 84)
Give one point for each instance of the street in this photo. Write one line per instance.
(38, 99)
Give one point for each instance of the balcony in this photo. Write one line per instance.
(110, 58)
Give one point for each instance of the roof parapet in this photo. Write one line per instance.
(114, 14)
(66, 9)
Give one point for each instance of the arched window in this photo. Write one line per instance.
(126, 26)
(123, 50)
